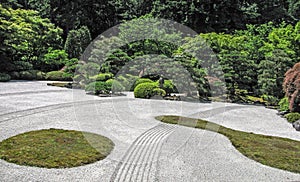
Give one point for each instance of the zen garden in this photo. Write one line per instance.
(150, 90)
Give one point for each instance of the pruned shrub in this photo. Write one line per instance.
(159, 91)
(292, 117)
(116, 85)
(58, 76)
(28, 75)
(145, 90)
(169, 87)
(124, 82)
(140, 81)
(88, 70)
(4, 77)
(15, 75)
(40, 75)
(79, 78)
(127, 81)
(55, 59)
(283, 104)
(270, 100)
(99, 87)
(102, 77)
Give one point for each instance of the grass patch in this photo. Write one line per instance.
(276, 152)
(55, 148)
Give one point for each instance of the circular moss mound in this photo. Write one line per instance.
(55, 148)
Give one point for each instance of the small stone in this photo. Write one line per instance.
(296, 125)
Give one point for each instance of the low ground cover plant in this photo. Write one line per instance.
(55, 148)
(272, 151)
(292, 117)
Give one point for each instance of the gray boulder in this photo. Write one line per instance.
(296, 125)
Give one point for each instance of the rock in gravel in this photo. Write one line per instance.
(296, 125)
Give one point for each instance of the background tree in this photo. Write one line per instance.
(26, 37)
(77, 41)
(97, 16)
(271, 73)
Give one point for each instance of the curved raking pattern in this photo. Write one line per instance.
(137, 163)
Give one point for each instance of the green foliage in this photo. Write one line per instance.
(270, 100)
(159, 92)
(30, 75)
(4, 77)
(163, 38)
(102, 48)
(99, 87)
(168, 87)
(26, 37)
(58, 76)
(292, 117)
(40, 75)
(253, 99)
(89, 69)
(115, 60)
(55, 59)
(116, 85)
(71, 66)
(27, 75)
(284, 104)
(146, 90)
(102, 77)
(127, 81)
(77, 41)
(140, 81)
(70, 15)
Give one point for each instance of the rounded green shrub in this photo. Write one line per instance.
(102, 77)
(4, 77)
(140, 81)
(284, 104)
(116, 85)
(15, 75)
(169, 87)
(40, 75)
(99, 87)
(292, 117)
(270, 100)
(28, 75)
(58, 76)
(159, 91)
(127, 81)
(124, 82)
(145, 90)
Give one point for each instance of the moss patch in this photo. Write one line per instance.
(55, 148)
(276, 152)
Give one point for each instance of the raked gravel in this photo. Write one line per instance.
(145, 149)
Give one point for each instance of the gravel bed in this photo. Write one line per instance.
(145, 149)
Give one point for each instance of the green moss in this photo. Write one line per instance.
(55, 148)
(276, 152)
